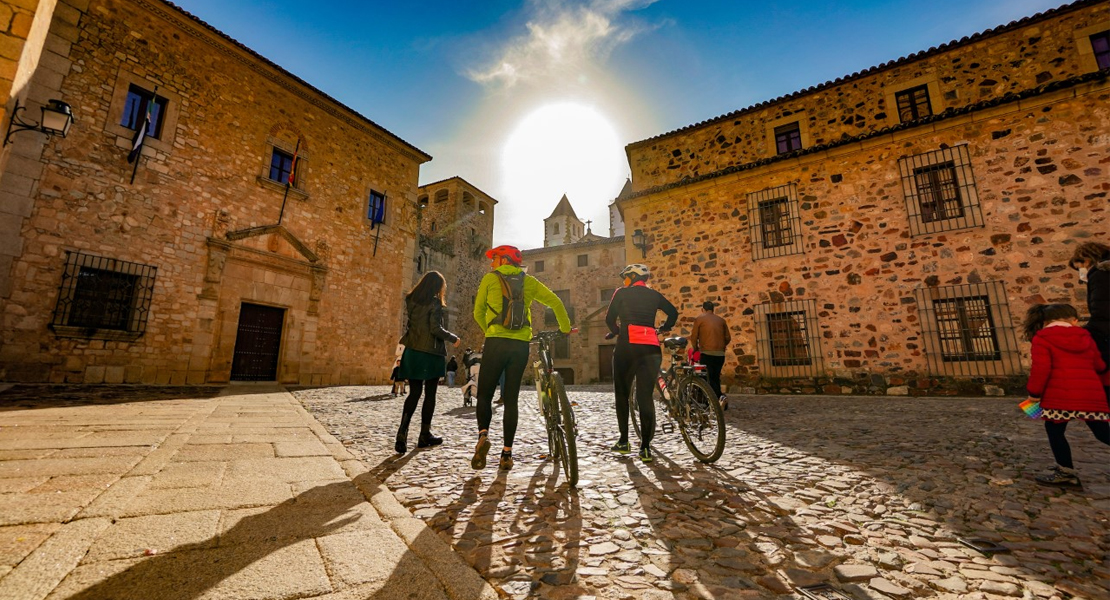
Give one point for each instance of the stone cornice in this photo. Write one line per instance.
(271, 71)
(615, 241)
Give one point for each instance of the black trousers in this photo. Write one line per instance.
(642, 364)
(508, 357)
(429, 387)
(713, 364)
(1061, 451)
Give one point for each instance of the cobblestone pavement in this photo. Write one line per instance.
(866, 494)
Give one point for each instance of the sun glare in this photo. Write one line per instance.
(564, 148)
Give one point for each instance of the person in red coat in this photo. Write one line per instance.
(1065, 377)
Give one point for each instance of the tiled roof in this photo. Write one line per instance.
(1100, 76)
(881, 67)
(462, 180)
(564, 208)
(601, 241)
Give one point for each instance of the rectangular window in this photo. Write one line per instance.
(607, 294)
(103, 298)
(375, 207)
(281, 164)
(555, 228)
(968, 330)
(1100, 44)
(940, 191)
(135, 107)
(788, 138)
(787, 339)
(774, 222)
(583, 260)
(913, 103)
(539, 267)
(549, 319)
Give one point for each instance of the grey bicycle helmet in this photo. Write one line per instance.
(636, 272)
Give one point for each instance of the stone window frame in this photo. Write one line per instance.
(69, 286)
(298, 190)
(538, 267)
(1006, 351)
(813, 364)
(957, 159)
(484, 208)
(802, 120)
(914, 106)
(1087, 60)
(583, 260)
(441, 196)
(788, 194)
(125, 135)
(366, 196)
(932, 87)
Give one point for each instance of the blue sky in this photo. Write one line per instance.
(576, 81)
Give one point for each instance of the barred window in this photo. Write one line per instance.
(788, 138)
(940, 191)
(774, 221)
(968, 330)
(787, 339)
(103, 298)
(913, 103)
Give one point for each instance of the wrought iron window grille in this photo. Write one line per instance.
(940, 191)
(775, 222)
(968, 330)
(103, 297)
(788, 339)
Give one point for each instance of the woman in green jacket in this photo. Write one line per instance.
(424, 361)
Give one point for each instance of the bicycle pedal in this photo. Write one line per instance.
(666, 427)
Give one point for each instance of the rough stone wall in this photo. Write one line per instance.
(561, 272)
(202, 180)
(1042, 52)
(457, 249)
(1040, 167)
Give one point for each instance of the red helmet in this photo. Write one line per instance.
(509, 253)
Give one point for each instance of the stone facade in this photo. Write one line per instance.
(456, 229)
(869, 249)
(584, 274)
(203, 221)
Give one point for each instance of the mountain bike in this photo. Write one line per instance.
(558, 416)
(688, 400)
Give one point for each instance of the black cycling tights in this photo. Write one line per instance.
(501, 355)
(1061, 451)
(643, 365)
(429, 387)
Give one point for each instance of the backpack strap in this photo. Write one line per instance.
(505, 293)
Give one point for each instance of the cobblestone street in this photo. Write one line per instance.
(866, 494)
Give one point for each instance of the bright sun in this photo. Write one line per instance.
(564, 148)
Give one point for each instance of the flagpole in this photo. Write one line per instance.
(135, 169)
(294, 170)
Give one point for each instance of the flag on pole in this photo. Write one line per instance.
(141, 133)
(293, 166)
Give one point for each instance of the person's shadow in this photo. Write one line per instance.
(189, 570)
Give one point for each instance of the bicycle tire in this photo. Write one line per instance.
(634, 410)
(701, 420)
(566, 432)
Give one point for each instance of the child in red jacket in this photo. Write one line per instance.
(1065, 378)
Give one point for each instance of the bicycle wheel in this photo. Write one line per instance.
(565, 431)
(701, 420)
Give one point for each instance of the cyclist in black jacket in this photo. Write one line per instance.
(637, 354)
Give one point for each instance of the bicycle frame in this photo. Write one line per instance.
(676, 372)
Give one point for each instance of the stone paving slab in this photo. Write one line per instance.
(272, 506)
(866, 494)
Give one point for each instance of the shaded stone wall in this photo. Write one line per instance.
(561, 272)
(199, 200)
(990, 65)
(1040, 168)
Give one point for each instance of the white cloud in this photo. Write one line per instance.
(564, 39)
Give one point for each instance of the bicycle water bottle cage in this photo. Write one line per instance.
(675, 342)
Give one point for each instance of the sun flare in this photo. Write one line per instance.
(564, 148)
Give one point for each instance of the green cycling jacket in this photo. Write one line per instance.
(487, 305)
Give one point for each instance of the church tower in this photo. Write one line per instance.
(563, 226)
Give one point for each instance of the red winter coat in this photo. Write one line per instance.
(1066, 367)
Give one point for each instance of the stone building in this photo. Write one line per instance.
(198, 263)
(886, 231)
(583, 272)
(456, 228)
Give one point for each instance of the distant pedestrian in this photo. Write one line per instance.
(424, 361)
(452, 368)
(1092, 260)
(711, 337)
(395, 377)
(1064, 377)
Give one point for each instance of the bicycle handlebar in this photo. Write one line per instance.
(552, 334)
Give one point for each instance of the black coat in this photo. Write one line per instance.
(1098, 299)
(425, 331)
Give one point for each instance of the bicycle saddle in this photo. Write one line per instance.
(675, 342)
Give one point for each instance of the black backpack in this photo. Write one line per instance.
(514, 314)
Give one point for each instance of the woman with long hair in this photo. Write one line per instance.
(424, 360)
(1092, 261)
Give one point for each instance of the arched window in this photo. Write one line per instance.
(468, 200)
(441, 196)
(483, 208)
(422, 201)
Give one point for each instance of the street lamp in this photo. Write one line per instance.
(639, 240)
(57, 117)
